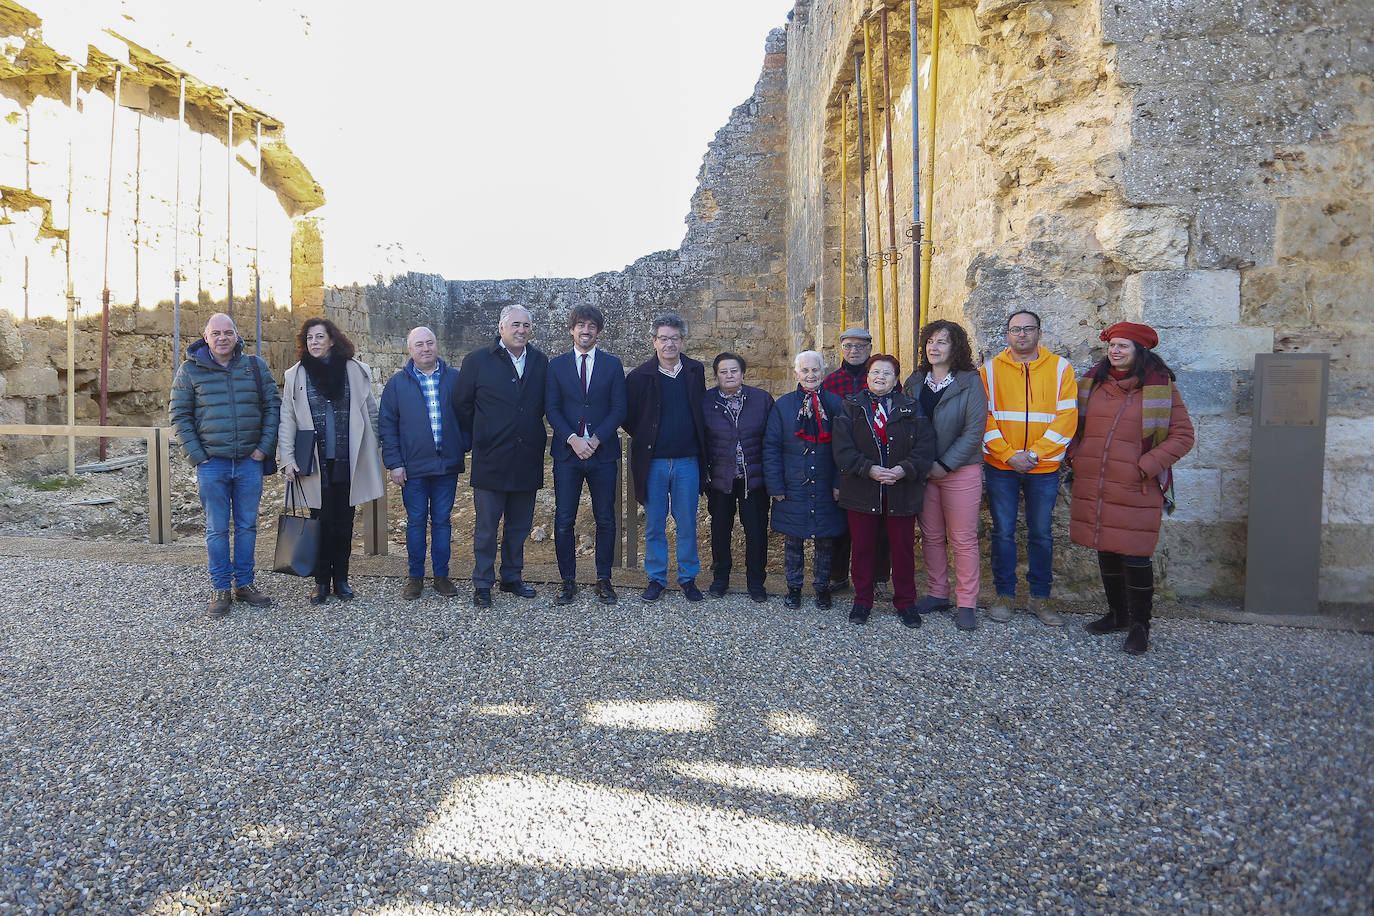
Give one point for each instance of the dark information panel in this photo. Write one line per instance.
(1287, 460)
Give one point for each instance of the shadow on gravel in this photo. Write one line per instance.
(726, 757)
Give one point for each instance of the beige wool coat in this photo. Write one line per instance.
(364, 456)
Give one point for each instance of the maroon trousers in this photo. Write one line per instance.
(901, 536)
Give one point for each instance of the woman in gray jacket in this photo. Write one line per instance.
(951, 396)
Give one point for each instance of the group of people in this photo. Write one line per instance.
(854, 461)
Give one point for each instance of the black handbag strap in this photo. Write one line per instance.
(289, 503)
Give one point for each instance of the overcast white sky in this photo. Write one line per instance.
(485, 139)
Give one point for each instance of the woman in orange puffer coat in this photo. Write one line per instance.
(1132, 428)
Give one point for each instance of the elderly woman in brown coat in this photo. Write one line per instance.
(1132, 428)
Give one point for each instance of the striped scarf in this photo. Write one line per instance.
(1157, 405)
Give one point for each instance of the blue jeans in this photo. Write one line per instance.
(673, 484)
(230, 488)
(1005, 489)
(567, 495)
(428, 500)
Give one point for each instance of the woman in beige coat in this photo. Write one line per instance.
(330, 393)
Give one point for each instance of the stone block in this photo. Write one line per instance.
(1351, 584)
(153, 379)
(1339, 229)
(155, 321)
(1348, 497)
(1313, 54)
(11, 342)
(1215, 348)
(1235, 496)
(1172, 116)
(1181, 173)
(119, 378)
(1133, 20)
(1197, 495)
(32, 382)
(1269, 111)
(1145, 238)
(1221, 442)
(1207, 392)
(1348, 442)
(1235, 233)
(1209, 60)
(1182, 298)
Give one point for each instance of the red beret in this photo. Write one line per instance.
(1142, 334)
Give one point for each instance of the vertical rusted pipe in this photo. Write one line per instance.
(895, 318)
(105, 291)
(881, 322)
(863, 188)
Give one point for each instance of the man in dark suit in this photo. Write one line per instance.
(500, 405)
(668, 453)
(584, 399)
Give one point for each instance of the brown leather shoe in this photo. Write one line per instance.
(1047, 614)
(412, 589)
(220, 600)
(249, 594)
(444, 586)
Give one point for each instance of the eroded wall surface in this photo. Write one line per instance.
(1203, 167)
(96, 196)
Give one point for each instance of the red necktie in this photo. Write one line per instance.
(880, 421)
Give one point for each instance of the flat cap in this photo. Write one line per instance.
(857, 333)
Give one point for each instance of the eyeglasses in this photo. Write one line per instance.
(1028, 329)
(676, 338)
(861, 345)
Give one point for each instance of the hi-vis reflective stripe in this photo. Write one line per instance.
(1055, 437)
(1065, 405)
(1021, 415)
(992, 434)
(992, 386)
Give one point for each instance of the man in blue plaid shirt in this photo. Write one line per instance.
(423, 446)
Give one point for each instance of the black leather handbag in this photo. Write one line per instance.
(298, 536)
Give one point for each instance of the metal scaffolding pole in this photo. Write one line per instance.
(917, 226)
(229, 218)
(844, 212)
(930, 155)
(105, 292)
(257, 274)
(176, 236)
(881, 333)
(894, 316)
(863, 191)
(71, 293)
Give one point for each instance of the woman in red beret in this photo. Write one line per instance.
(1132, 428)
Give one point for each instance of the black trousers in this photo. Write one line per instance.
(336, 534)
(752, 509)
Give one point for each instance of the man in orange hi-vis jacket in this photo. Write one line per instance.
(1032, 414)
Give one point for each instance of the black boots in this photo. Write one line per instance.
(1114, 584)
(1140, 593)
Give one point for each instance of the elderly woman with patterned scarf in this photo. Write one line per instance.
(329, 393)
(884, 447)
(1132, 428)
(799, 471)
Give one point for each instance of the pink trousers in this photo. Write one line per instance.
(950, 514)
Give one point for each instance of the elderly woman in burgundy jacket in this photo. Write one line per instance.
(1132, 428)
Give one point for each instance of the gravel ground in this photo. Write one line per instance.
(397, 758)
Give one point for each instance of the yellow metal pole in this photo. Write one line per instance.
(895, 317)
(934, 93)
(71, 291)
(881, 321)
(844, 214)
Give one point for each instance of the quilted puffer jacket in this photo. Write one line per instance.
(216, 409)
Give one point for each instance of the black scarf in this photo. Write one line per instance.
(327, 375)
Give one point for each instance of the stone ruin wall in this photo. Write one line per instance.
(1203, 167)
(149, 237)
(726, 280)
